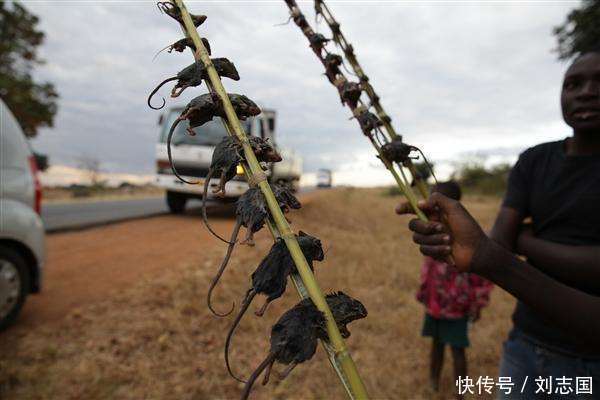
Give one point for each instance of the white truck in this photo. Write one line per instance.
(192, 156)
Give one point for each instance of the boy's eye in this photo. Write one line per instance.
(570, 85)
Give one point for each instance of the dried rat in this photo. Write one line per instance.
(332, 66)
(294, 336)
(398, 151)
(174, 12)
(293, 341)
(251, 212)
(317, 42)
(193, 75)
(270, 278)
(204, 108)
(225, 159)
(182, 44)
(350, 93)
(368, 122)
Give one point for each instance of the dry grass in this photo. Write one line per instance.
(157, 340)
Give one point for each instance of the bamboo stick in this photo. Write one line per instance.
(341, 360)
(322, 9)
(401, 180)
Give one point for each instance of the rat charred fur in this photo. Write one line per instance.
(270, 278)
(251, 213)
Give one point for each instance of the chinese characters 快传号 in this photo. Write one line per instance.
(544, 385)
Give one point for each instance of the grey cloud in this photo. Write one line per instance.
(453, 76)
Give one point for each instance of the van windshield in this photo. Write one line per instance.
(208, 134)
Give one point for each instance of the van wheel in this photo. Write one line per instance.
(14, 285)
(176, 202)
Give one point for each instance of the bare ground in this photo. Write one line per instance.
(122, 314)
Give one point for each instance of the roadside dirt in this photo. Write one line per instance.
(123, 312)
(87, 266)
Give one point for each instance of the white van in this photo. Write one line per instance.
(22, 241)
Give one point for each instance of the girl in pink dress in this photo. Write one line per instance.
(451, 298)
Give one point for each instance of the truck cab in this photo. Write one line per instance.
(192, 156)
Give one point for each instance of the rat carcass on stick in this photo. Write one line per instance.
(270, 278)
(193, 75)
(229, 152)
(173, 11)
(294, 336)
(182, 44)
(204, 108)
(345, 309)
(225, 159)
(251, 212)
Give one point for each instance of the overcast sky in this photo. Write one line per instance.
(458, 78)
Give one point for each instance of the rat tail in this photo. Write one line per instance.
(160, 51)
(169, 137)
(247, 300)
(267, 362)
(156, 90)
(428, 164)
(232, 241)
(204, 216)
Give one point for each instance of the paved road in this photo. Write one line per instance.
(75, 215)
(79, 215)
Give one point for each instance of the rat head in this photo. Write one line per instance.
(369, 121)
(198, 20)
(243, 106)
(333, 60)
(345, 309)
(286, 198)
(317, 40)
(263, 150)
(226, 68)
(396, 150)
(580, 96)
(311, 246)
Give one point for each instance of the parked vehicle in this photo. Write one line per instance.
(22, 241)
(324, 178)
(192, 156)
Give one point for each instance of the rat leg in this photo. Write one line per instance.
(260, 312)
(344, 331)
(175, 93)
(221, 189)
(190, 131)
(267, 373)
(249, 239)
(287, 371)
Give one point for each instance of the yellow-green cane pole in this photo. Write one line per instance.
(342, 355)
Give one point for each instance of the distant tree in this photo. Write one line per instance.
(580, 32)
(474, 177)
(91, 166)
(32, 103)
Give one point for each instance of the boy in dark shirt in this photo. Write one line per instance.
(557, 185)
(556, 338)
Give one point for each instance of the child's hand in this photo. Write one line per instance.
(458, 235)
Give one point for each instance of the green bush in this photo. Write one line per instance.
(474, 177)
